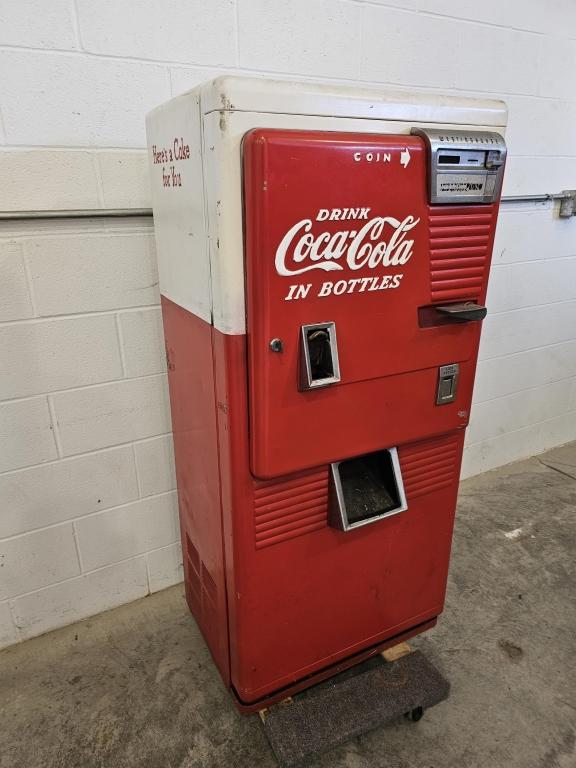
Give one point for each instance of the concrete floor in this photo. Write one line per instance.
(136, 686)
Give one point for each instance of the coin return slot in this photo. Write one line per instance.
(447, 383)
(319, 365)
(450, 159)
(365, 489)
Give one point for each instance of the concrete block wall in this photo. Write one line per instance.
(88, 515)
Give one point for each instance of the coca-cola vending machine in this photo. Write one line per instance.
(324, 257)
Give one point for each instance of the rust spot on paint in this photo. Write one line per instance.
(225, 101)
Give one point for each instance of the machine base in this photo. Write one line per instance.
(355, 702)
(331, 671)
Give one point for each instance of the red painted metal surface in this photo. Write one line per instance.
(327, 672)
(388, 362)
(282, 598)
(310, 600)
(304, 602)
(461, 239)
(191, 385)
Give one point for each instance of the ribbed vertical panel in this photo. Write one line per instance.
(430, 465)
(459, 250)
(202, 588)
(290, 508)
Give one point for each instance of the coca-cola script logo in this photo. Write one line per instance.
(379, 241)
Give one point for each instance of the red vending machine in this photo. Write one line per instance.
(324, 258)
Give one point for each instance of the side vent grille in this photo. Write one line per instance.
(289, 508)
(430, 465)
(459, 251)
(201, 587)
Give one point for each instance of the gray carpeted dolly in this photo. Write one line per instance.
(365, 697)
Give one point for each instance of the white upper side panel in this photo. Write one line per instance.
(175, 163)
(198, 208)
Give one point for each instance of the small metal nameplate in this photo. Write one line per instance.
(473, 184)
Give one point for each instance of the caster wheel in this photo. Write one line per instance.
(415, 714)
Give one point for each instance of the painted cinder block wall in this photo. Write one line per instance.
(88, 516)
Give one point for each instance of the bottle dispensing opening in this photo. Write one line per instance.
(366, 489)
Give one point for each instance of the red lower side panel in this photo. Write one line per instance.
(191, 383)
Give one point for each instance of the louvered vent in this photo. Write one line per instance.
(290, 508)
(430, 465)
(202, 588)
(459, 251)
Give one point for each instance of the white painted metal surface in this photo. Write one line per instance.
(177, 187)
(253, 94)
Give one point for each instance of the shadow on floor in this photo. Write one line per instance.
(136, 687)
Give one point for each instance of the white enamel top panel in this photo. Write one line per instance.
(251, 94)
